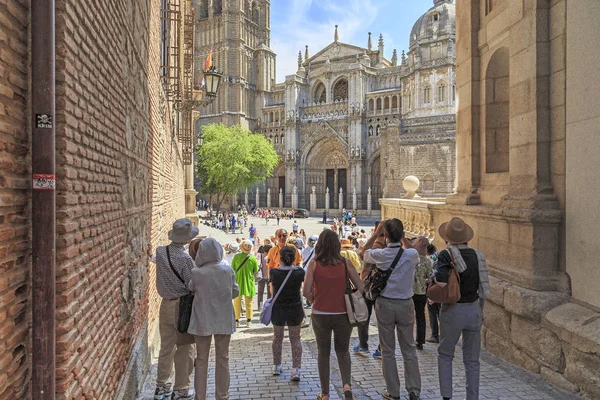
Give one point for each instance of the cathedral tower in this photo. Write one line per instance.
(238, 31)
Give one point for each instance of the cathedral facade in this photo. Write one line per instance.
(350, 124)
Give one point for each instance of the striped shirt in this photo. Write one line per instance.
(168, 284)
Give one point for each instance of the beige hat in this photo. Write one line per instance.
(456, 231)
(246, 246)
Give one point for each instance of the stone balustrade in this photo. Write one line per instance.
(416, 215)
(338, 108)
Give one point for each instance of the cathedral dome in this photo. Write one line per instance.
(436, 24)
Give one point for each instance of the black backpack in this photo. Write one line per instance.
(377, 279)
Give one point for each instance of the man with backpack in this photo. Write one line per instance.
(394, 306)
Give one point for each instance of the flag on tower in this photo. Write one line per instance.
(208, 62)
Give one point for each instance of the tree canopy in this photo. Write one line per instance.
(232, 158)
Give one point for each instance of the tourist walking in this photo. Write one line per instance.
(307, 254)
(423, 272)
(245, 266)
(377, 242)
(395, 309)
(433, 308)
(173, 271)
(214, 286)
(349, 253)
(325, 286)
(324, 216)
(264, 271)
(281, 236)
(465, 317)
(287, 310)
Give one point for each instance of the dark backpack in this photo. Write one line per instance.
(377, 279)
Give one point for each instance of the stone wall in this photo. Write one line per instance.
(119, 187)
(425, 149)
(15, 161)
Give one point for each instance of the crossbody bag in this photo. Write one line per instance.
(185, 302)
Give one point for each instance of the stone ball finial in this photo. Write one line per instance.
(411, 185)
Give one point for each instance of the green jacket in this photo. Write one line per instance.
(244, 277)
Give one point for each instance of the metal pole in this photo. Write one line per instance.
(43, 199)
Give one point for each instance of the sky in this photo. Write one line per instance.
(296, 23)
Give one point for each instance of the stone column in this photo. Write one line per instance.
(257, 198)
(269, 198)
(280, 198)
(341, 199)
(369, 200)
(295, 197)
(313, 199)
(190, 195)
(327, 199)
(354, 198)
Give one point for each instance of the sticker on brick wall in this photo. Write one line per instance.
(43, 121)
(44, 182)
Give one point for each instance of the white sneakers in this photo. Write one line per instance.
(295, 374)
(277, 369)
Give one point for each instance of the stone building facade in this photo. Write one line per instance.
(119, 187)
(527, 181)
(328, 120)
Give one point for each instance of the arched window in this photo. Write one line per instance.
(497, 102)
(276, 139)
(370, 130)
(395, 103)
(203, 11)
(377, 130)
(281, 139)
(428, 183)
(340, 90)
(320, 93)
(386, 103)
(378, 104)
(426, 95)
(217, 6)
(256, 14)
(271, 119)
(441, 97)
(371, 105)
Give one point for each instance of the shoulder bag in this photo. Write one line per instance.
(356, 308)
(242, 264)
(267, 310)
(450, 293)
(185, 302)
(378, 279)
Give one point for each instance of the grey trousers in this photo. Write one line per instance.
(395, 316)
(465, 319)
(221, 366)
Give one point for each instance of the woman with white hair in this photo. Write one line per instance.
(245, 266)
(213, 283)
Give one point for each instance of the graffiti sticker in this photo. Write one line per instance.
(44, 182)
(43, 121)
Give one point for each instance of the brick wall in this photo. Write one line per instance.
(14, 201)
(120, 186)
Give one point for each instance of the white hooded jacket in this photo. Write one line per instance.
(213, 283)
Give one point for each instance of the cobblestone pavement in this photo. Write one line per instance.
(250, 361)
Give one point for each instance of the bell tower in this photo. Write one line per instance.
(239, 33)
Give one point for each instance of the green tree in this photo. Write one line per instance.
(230, 159)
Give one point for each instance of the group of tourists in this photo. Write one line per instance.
(320, 269)
(269, 214)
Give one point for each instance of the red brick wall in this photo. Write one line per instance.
(14, 201)
(120, 185)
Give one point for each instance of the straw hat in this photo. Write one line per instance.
(183, 231)
(456, 231)
(246, 246)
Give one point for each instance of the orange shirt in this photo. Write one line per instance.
(273, 257)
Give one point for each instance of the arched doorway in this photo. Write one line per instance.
(275, 182)
(326, 167)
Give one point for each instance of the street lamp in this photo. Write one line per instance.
(211, 82)
(202, 96)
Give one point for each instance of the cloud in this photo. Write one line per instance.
(311, 22)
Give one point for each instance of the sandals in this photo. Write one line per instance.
(322, 396)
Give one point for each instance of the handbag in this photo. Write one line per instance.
(450, 293)
(185, 302)
(267, 310)
(356, 308)
(378, 279)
